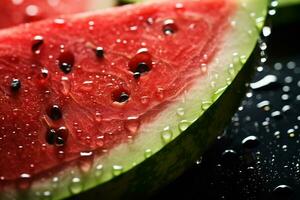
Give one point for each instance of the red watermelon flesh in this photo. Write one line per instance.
(86, 83)
(14, 12)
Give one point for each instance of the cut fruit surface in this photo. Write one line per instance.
(15, 12)
(87, 97)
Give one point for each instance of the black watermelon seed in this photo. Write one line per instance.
(15, 85)
(55, 112)
(142, 68)
(137, 75)
(59, 141)
(38, 41)
(66, 62)
(123, 97)
(66, 67)
(141, 63)
(99, 52)
(62, 136)
(120, 96)
(51, 136)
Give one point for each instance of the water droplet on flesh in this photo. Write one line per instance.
(169, 27)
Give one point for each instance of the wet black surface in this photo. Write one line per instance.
(266, 165)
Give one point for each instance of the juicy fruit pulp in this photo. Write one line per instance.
(14, 12)
(83, 87)
(101, 102)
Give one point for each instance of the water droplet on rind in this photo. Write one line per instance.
(243, 59)
(167, 135)
(183, 125)
(180, 112)
(260, 22)
(117, 170)
(98, 170)
(231, 70)
(46, 195)
(148, 153)
(218, 93)
(76, 186)
(205, 105)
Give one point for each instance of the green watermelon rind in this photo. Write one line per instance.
(207, 108)
(283, 3)
(287, 12)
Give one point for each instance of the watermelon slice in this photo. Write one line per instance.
(14, 12)
(122, 99)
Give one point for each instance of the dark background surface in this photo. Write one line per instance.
(267, 165)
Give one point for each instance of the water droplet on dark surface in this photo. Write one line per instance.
(250, 142)
(15, 85)
(282, 192)
(229, 157)
(264, 104)
(286, 108)
(276, 115)
(266, 83)
(66, 61)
